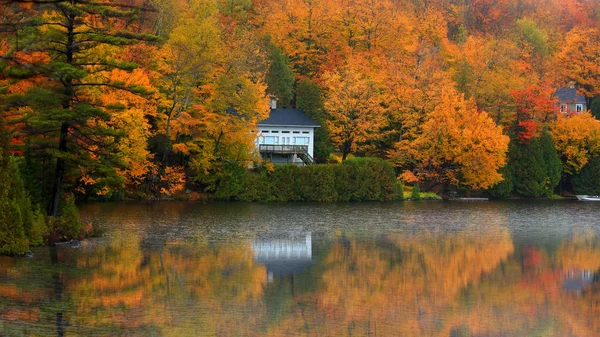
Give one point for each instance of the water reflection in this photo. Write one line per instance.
(202, 272)
(283, 253)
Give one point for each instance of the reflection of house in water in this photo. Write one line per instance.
(577, 280)
(283, 253)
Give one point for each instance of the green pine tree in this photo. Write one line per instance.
(587, 181)
(595, 107)
(82, 40)
(537, 168)
(280, 78)
(552, 162)
(503, 189)
(310, 100)
(16, 216)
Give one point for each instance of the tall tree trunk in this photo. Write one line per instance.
(66, 104)
(346, 149)
(59, 172)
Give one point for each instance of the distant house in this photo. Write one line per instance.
(569, 101)
(287, 136)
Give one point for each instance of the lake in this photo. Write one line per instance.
(517, 268)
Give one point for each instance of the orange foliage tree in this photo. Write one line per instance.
(577, 139)
(354, 105)
(457, 144)
(579, 59)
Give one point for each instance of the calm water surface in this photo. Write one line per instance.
(371, 269)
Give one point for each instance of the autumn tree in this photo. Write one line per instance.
(304, 30)
(580, 59)
(219, 126)
(457, 144)
(577, 139)
(535, 108)
(74, 46)
(184, 61)
(353, 103)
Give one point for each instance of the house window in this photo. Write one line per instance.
(265, 131)
(564, 108)
(271, 140)
(579, 107)
(296, 131)
(285, 132)
(305, 132)
(274, 131)
(301, 140)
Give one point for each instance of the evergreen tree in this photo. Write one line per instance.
(537, 168)
(12, 206)
(530, 174)
(280, 78)
(416, 192)
(551, 160)
(73, 51)
(595, 107)
(310, 100)
(503, 189)
(587, 181)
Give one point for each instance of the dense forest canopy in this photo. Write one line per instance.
(143, 98)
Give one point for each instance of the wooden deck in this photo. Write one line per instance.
(299, 150)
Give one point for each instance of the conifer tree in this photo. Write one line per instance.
(537, 169)
(309, 99)
(587, 181)
(72, 48)
(13, 206)
(280, 78)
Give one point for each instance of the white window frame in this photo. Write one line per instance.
(564, 108)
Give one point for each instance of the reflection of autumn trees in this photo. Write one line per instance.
(181, 289)
(403, 286)
(580, 252)
(437, 283)
(122, 289)
(529, 292)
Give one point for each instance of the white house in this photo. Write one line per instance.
(287, 136)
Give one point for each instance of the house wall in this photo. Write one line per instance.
(572, 107)
(287, 135)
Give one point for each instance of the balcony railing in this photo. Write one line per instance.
(282, 149)
(299, 150)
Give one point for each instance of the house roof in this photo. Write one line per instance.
(569, 95)
(289, 117)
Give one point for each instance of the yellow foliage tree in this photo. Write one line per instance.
(577, 139)
(353, 102)
(457, 144)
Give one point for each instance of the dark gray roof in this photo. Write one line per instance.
(569, 95)
(289, 117)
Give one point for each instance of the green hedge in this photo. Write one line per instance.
(357, 179)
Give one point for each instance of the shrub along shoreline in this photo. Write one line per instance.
(357, 179)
